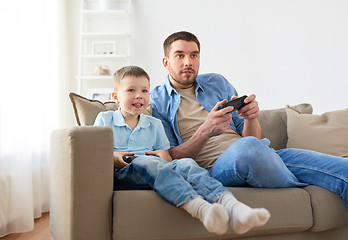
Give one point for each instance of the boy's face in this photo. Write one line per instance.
(133, 95)
(182, 63)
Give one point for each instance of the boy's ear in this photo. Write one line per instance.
(114, 96)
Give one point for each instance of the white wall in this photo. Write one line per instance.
(284, 51)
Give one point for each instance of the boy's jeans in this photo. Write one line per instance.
(250, 161)
(177, 182)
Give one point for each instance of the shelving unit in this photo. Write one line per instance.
(104, 41)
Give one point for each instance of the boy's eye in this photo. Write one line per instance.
(145, 91)
(130, 90)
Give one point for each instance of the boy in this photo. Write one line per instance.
(181, 182)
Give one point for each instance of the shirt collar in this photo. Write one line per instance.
(169, 87)
(119, 120)
(198, 84)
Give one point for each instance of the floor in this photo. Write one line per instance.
(41, 231)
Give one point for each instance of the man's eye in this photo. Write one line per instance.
(194, 55)
(180, 55)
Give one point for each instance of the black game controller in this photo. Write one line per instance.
(128, 158)
(237, 103)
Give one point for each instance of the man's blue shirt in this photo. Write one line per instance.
(210, 89)
(148, 135)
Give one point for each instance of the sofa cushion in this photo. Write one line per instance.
(153, 218)
(326, 133)
(86, 110)
(328, 209)
(273, 124)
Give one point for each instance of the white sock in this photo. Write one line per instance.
(213, 216)
(242, 217)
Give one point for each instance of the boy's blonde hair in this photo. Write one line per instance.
(128, 71)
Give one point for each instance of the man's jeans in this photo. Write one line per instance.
(250, 161)
(178, 181)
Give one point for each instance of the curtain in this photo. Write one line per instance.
(28, 109)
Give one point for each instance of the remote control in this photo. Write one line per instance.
(128, 158)
(237, 103)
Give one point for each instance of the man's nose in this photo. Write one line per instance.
(188, 61)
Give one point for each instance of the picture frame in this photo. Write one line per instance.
(100, 94)
(104, 48)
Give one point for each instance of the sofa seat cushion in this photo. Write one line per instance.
(328, 209)
(143, 214)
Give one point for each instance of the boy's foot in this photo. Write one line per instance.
(213, 216)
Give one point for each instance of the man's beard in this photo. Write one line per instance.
(184, 81)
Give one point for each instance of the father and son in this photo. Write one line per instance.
(189, 150)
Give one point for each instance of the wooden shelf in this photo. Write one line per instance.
(104, 34)
(105, 56)
(92, 77)
(110, 27)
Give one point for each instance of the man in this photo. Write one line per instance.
(228, 144)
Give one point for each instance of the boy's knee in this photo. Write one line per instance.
(147, 161)
(184, 164)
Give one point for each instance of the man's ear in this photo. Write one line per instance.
(114, 96)
(165, 62)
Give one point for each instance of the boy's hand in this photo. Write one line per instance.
(118, 159)
(164, 154)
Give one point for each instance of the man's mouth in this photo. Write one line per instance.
(187, 71)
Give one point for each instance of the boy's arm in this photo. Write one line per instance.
(118, 156)
(118, 159)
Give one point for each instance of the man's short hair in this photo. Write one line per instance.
(186, 36)
(128, 71)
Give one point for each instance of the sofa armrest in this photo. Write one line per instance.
(81, 181)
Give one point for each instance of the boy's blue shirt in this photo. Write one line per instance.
(210, 89)
(148, 135)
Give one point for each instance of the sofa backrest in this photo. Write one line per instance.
(86, 110)
(273, 122)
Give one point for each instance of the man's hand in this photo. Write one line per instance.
(161, 153)
(250, 111)
(217, 121)
(118, 159)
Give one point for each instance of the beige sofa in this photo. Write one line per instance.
(84, 206)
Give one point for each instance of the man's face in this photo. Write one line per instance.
(182, 64)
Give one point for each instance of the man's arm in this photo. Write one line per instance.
(215, 124)
(250, 113)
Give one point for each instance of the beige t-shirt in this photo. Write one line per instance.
(190, 116)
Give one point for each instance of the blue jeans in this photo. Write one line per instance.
(252, 162)
(177, 182)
